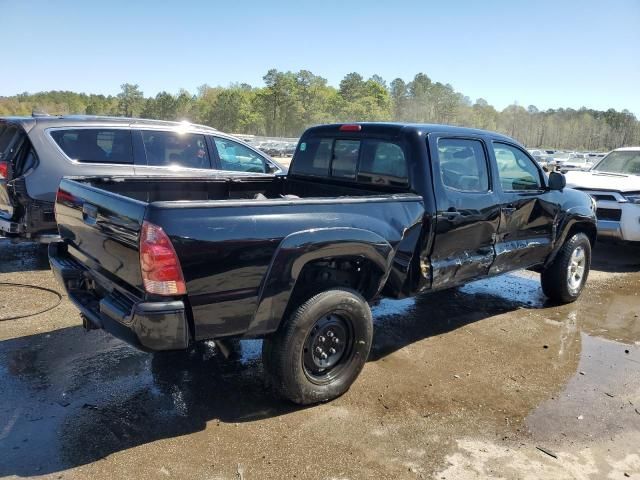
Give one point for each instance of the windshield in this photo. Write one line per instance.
(625, 162)
(562, 156)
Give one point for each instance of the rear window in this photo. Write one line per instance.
(99, 145)
(8, 140)
(373, 161)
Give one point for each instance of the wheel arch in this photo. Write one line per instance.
(305, 250)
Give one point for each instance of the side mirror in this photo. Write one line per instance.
(557, 181)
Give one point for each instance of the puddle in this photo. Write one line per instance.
(601, 399)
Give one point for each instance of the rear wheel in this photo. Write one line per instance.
(321, 348)
(565, 278)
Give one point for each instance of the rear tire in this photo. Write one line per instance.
(320, 349)
(564, 279)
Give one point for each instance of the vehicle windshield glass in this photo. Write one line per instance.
(627, 163)
(562, 156)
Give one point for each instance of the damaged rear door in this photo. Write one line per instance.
(468, 209)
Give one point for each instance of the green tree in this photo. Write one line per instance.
(130, 100)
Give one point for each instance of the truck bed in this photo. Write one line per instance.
(239, 239)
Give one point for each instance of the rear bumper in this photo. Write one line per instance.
(149, 326)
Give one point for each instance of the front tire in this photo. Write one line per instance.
(565, 278)
(321, 348)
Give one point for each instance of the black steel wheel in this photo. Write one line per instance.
(320, 348)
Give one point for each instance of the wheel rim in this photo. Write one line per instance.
(328, 348)
(576, 269)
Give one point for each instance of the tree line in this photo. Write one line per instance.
(289, 102)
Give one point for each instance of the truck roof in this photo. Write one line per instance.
(398, 127)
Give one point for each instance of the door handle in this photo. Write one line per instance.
(451, 214)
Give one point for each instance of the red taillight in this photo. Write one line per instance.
(350, 128)
(161, 272)
(4, 170)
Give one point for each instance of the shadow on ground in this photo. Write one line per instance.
(616, 257)
(21, 257)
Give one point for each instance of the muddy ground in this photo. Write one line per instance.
(484, 381)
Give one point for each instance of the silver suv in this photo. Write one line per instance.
(36, 152)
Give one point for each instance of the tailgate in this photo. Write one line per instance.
(101, 230)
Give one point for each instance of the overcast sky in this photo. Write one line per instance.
(547, 53)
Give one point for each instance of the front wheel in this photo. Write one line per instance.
(565, 278)
(321, 348)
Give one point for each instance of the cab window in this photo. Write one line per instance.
(516, 170)
(238, 158)
(463, 165)
(368, 160)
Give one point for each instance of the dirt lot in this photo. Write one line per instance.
(485, 381)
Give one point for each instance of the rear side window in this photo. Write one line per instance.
(463, 165)
(367, 161)
(89, 145)
(175, 149)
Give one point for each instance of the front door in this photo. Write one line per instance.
(468, 209)
(528, 210)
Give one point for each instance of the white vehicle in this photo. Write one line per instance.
(614, 183)
(569, 161)
(540, 156)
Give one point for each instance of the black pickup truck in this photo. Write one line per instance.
(366, 210)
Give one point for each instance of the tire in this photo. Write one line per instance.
(560, 279)
(336, 321)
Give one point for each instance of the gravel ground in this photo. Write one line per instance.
(488, 380)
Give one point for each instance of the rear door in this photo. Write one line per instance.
(468, 209)
(528, 210)
(12, 138)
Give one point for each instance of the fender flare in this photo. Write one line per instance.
(575, 216)
(297, 250)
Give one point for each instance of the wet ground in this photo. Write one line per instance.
(484, 381)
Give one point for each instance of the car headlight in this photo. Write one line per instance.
(633, 197)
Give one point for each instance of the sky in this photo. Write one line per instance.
(550, 54)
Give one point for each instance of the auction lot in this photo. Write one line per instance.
(488, 380)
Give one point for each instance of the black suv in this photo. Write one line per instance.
(36, 152)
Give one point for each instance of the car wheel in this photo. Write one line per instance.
(565, 278)
(321, 347)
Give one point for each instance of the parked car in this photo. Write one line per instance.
(36, 152)
(614, 183)
(366, 210)
(564, 161)
(541, 157)
(576, 161)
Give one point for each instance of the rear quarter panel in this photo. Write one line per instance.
(226, 251)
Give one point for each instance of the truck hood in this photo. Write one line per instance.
(603, 181)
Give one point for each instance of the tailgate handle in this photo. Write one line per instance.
(89, 213)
